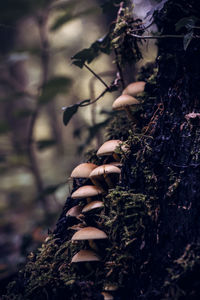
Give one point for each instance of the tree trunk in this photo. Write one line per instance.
(152, 217)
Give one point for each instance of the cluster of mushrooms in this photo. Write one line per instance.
(100, 179)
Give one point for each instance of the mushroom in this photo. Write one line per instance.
(74, 211)
(108, 172)
(134, 88)
(124, 102)
(110, 287)
(86, 191)
(83, 170)
(85, 256)
(107, 296)
(89, 233)
(108, 149)
(92, 205)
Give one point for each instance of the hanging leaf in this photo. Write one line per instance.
(187, 39)
(43, 144)
(155, 9)
(53, 87)
(69, 16)
(69, 112)
(87, 55)
(187, 22)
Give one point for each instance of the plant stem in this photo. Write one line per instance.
(97, 76)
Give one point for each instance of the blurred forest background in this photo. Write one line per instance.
(37, 152)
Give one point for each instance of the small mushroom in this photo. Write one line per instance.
(74, 211)
(124, 102)
(110, 287)
(134, 88)
(89, 233)
(85, 256)
(109, 147)
(107, 296)
(108, 172)
(92, 205)
(83, 170)
(86, 191)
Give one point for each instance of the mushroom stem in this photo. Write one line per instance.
(116, 157)
(93, 245)
(108, 181)
(130, 115)
(98, 184)
(89, 199)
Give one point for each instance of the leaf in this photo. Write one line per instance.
(43, 144)
(23, 113)
(4, 127)
(187, 39)
(187, 22)
(69, 112)
(69, 16)
(51, 189)
(87, 55)
(54, 86)
(156, 8)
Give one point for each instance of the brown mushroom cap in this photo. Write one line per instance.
(107, 296)
(86, 191)
(85, 255)
(134, 88)
(124, 101)
(108, 148)
(105, 169)
(74, 211)
(110, 287)
(89, 233)
(83, 170)
(92, 205)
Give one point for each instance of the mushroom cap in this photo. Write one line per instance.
(92, 205)
(85, 255)
(107, 296)
(74, 211)
(134, 88)
(89, 233)
(116, 164)
(124, 101)
(105, 169)
(110, 287)
(108, 148)
(83, 170)
(86, 191)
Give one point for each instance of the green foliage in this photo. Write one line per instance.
(68, 16)
(69, 111)
(55, 86)
(43, 144)
(87, 55)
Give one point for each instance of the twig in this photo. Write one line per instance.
(97, 76)
(148, 37)
(119, 70)
(95, 100)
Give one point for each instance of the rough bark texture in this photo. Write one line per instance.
(152, 217)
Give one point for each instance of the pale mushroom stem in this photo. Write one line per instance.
(93, 245)
(130, 115)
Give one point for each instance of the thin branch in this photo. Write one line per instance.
(97, 76)
(148, 37)
(95, 100)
